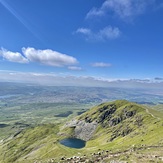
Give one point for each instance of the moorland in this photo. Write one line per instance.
(34, 118)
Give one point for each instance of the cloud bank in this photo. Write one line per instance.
(87, 81)
(46, 57)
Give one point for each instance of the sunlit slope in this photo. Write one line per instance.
(121, 126)
(124, 124)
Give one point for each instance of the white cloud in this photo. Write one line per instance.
(49, 57)
(122, 8)
(74, 68)
(101, 64)
(13, 56)
(95, 12)
(85, 31)
(107, 33)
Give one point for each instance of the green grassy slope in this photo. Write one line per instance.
(127, 124)
(122, 126)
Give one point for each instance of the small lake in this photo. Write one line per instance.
(73, 143)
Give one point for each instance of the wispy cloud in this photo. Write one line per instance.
(122, 8)
(101, 64)
(107, 33)
(160, 6)
(46, 57)
(85, 31)
(76, 68)
(13, 56)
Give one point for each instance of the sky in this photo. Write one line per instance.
(104, 40)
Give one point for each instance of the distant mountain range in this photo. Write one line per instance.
(51, 79)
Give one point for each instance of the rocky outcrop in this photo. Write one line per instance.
(85, 130)
(82, 129)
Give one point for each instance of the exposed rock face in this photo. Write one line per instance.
(82, 129)
(85, 130)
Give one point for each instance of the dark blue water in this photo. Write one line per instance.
(73, 143)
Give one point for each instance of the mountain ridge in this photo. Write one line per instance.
(111, 114)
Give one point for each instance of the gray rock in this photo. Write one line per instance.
(82, 129)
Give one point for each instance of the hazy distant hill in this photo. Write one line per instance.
(17, 93)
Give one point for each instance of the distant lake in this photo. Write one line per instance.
(73, 143)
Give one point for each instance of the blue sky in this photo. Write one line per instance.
(104, 39)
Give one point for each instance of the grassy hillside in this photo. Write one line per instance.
(125, 131)
(122, 124)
